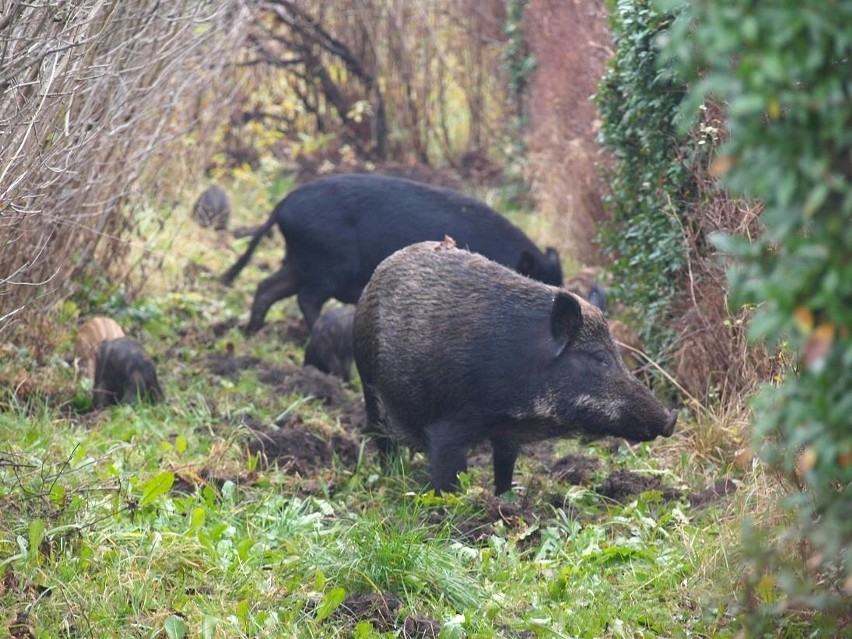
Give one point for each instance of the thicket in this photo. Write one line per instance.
(782, 70)
(650, 186)
(732, 130)
(664, 206)
(91, 96)
(379, 79)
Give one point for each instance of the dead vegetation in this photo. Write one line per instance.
(711, 353)
(94, 100)
(571, 44)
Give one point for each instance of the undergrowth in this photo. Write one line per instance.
(172, 521)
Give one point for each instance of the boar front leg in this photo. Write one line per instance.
(504, 454)
(447, 453)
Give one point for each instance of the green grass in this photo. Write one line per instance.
(156, 521)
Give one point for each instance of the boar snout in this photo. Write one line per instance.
(668, 429)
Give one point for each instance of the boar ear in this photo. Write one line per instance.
(566, 318)
(552, 256)
(526, 265)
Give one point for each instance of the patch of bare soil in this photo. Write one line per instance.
(574, 469)
(421, 628)
(289, 329)
(228, 365)
(380, 609)
(622, 484)
(187, 480)
(297, 450)
(478, 527)
(220, 328)
(307, 380)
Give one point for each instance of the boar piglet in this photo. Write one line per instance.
(339, 228)
(454, 349)
(329, 348)
(212, 208)
(124, 373)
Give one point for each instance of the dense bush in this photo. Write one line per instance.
(782, 69)
(649, 183)
(91, 94)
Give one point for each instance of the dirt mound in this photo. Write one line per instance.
(299, 451)
(573, 469)
(622, 484)
(228, 365)
(478, 527)
(289, 329)
(380, 609)
(307, 381)
(421, 628)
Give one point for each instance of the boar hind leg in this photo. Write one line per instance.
(504, 455)
(447, 455)
(388, 450)
(101, 398)
(311, 305)
(283, 283)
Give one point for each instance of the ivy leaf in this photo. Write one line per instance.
(158, 485)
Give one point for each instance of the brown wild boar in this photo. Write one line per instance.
(330, 346)
(124, 372)
(453, 349)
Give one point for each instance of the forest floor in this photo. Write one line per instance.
(249, 504)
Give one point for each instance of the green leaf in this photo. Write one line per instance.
(36, 536)
(209, 624)
(175, 627)
(333, 598)
(157, 485)
(197, 518)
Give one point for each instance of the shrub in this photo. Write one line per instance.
(782, 69)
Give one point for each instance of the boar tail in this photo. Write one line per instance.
(240, 264)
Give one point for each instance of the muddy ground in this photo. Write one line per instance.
(308, 452)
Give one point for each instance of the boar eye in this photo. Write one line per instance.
(601, 358)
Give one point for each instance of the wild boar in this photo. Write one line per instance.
(212, 208)
(338, 228)
(124, 373)
(329, 348)
(583, 281)
(89, 338)
(598, 297)
(453, 349)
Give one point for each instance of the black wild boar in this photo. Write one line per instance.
(583, 281)
(453, 349)
(597, 297)
(212, 208)
(124, 373)
(329, 348)
(338, 228)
